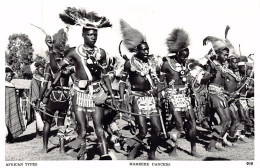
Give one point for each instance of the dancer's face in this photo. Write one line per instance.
(143, 51)
(242, 69)
(233, 64)
(183, 56)
(90, 37)
(222, 55)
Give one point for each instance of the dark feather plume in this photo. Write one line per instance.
(228, 43)
(226, 31)
(69, 15)
(81, 17)
(178, 39)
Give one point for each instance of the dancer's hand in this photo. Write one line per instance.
(48, 41)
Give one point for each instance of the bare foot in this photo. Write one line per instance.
(152, 157)
(219, 147)
(62, 151)
(195, 154)
(227, 143)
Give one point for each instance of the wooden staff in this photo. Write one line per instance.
(39, 28)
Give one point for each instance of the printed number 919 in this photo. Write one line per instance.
(249, 163)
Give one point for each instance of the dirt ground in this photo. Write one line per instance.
(27, 148)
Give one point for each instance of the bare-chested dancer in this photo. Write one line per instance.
(91, 79)
(55, 98)
(217, 94)
(139, 72)
(178, 94)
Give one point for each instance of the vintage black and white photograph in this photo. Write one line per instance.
(129, 83)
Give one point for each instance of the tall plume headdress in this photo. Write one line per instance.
(81, 17)
(60, 41)
(131, 37)
(178, 40)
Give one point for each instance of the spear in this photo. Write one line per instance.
(39, 28)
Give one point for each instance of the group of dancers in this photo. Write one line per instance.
(173, 93)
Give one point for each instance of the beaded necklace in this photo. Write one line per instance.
(140, 66)
(234, 75)
(177, 67)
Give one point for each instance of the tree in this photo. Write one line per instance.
(19, 52)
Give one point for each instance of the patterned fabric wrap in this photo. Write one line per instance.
(60, 95)
(145, 102)
(59, 100)
(178, 98)
(13, 116)
(216, 90)
(216, 93)
(99, 95)
(84, 99)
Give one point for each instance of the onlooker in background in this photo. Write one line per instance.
(13, 117)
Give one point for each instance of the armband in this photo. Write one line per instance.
(104, 75)
(124, 74)
(121, 82)
(104, 65)
(51, 52)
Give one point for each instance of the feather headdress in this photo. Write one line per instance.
(192, 63)
(131, 37)
(59, 40)
(81, 17)
(219, 44)
(178, 39)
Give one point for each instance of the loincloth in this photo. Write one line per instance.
(87, 99)
(178, 98)
(145, 103)
(99, 94)
(59, 100)
(84, 99)
(216, 97)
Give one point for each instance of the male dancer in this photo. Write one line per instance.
(139, 71)
(91, 78)
(178, 94)
(246, 91)
(56, 98)
(232, 81)
(217, 100)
